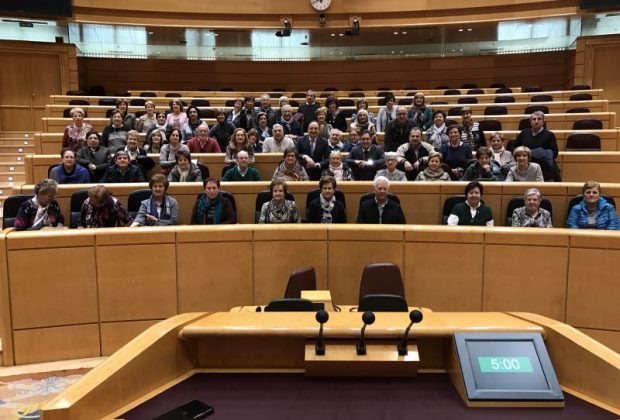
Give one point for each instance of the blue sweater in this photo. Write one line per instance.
(606, 216)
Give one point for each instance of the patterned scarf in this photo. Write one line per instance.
(206, 206)
(327, 207)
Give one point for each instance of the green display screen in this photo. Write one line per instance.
(503, 364)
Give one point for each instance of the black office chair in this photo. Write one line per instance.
(467, 100)
(346, 102)
(583, 142)
(204, 102)
(107, 102)
(292, 305)
(77, 199)
(148, 94)
(356, 94)
(448, 204)
(134, 200)
(469, 86)
(581, 87)
(206, 113)
(475, 91)
(580, 97)
(405, 101)
(531, 89)
(263, 197)
(541, 98)
(137, 102)
(505, 99)
(517, 202)
(381, 278)
(383, 303)
(78, 102)
(497, 85)
(173, 95)
(10, 208)
(533, 108)
(490, 125)
(496, 110)
(455, 111)
(577, 110)
(204, 170)
(502, 90)
(588, 125)
(450, 92)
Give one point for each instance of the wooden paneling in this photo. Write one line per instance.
(114, 335)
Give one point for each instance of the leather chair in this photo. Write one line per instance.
(583, 142)
(10, 207)
(383, 303)
(300, 279)
(381, 278)
(448, 204)
(588, 125)
(77, 199)
(134, 200)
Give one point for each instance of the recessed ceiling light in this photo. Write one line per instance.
(216, 34)
(461, 30)
(150, 32)
(332, 34)
(469, 29)
(401, 51)
(340, 34)
(404, 32)
(396, 33)
(393, 52)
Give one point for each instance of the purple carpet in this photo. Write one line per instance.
(247, 396)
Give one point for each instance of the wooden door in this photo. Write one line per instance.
(45, 80)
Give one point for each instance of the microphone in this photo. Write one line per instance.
(321, 317)
(368, 318)
(415, 316)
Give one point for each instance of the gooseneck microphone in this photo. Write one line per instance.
(368, 318)
(415, 316)
(321, 317)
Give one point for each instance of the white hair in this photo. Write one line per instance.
(379, 179)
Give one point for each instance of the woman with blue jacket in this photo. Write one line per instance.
(593, 212)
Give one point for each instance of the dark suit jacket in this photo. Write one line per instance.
(375, 153)
(392, 213)
(320, 155)
(315, 212)
(292, 127)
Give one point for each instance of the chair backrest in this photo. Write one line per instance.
(530, 89)
(300, 279)
(137, 102)
(581, 87)
(448, 204)
(66, 113)
(439, 103)
(206, 113)
(580, 97)
(497, 85)
(475, 91)
(173, 95)
(588, 125)
(298, 95)
(290, 305)
(204, 170)
(148, 94)
(469, 86)
(577, 110)
(383, 303)
(263, 197)
(381, 278)
(524, 124)
(96, 90)
(454, 111)
(517, 202)
(442, 87)
(490, 125)
(355, 94)
(541, 98)
(108, 112)
(78, 102)
(405, 101)
(503, 89)
(229, 102)
(52, 166)
(579, 198)
(134, 200)
(325, 95)
(203, 102)
(233, 203)
(140, 113)
(583, 141)
(468, 100)
(10, 208)
(76, 93)
(346, 102)
(534, 108)
(452, 92)
(77, 199)
(496, 110)
(505, 99)
(107, 102)
(371, 195)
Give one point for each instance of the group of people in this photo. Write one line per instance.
(213, 206)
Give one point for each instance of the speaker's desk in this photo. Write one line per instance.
(241, 344)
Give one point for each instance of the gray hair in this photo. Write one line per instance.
(531, 191)
(379, 179)
(538, 114)
(391, 155)
(335, 131)
(46, 186)
(286, 106)
(277, 125)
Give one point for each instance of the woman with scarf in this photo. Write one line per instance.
(436, 134)
(433, 171)
(168, 153)
(68, 172)
(114, 136)
(74, 136)
(337, 169)
(362, 123)
(335, 118)
(500, 154)
(324, 127)
(290, 169)
(234, 116)
(325, 208)
(185, 170)
(188, 130)
(456, 154)
(159, 209)
(42, 210)
(279, 209)
(420, 114)
(211, 207)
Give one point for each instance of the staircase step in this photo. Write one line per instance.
(24, 149)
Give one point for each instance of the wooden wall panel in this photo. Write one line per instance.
(114, 335)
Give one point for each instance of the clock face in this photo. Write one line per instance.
(321, 4)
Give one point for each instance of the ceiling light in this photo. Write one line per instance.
(396, 33)
(150, 32)
(404, 32)
(461, 30)
(332, 34)
(469, 29)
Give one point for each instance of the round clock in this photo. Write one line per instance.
(321, 5)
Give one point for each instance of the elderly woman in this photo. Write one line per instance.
(148, 120)
(185, 170)
(177, 118)
(362, 104)
(500, 154)
(68, 172)
(420, 114)
(290, 169)
(262, 126)
(238, 142)
(74, 136)
(94, 157)
(168, 153)
(436, 135)
(524, 170)
(335, 118)
(115, 134)
(337, 169)
(122, 170)
(279, 209)
(433, 171)
(155, 141)
(211, 207)
(387, 113)
(324, 127)
(129, 119)
(531, 215)
(235, 116)
(362, 123)
(41, 210)
(159, 209)
(188, 130)
(484, 168)
(325, 208)
(593, 212)
(456, 154)
(390, 172)
(160, 123)
(472, 212)
(101, 209)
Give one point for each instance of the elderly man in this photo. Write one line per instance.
(397, 131)
(531, 215)
(365, 159)
(242, 171)
(265, 106)
(413, 155)
(543, 145)
(471, 133)
(202, 143)
(380, 209)
(278, 143)
(313, 152)
(308, 109)
(292, 128)
(335, 140)
(122, 171)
